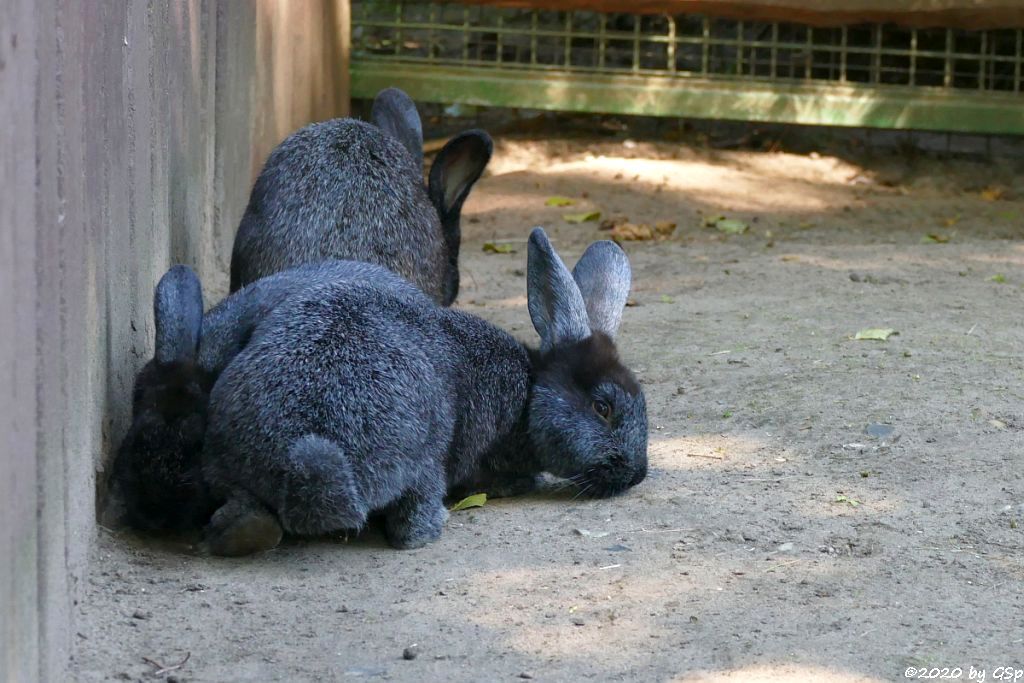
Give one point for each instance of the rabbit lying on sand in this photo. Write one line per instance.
(357, 396)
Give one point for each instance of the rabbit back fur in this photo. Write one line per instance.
(362, 395)
(341, 189)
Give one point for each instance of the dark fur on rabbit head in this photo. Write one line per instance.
(587, 413)
(345, 189)
(156, 482)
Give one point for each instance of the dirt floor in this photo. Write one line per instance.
(818, 507)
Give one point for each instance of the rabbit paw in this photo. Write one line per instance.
(415, 520)
(241, 528)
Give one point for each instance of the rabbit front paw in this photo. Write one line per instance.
(241, 527)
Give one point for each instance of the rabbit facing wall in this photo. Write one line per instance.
(346, 189)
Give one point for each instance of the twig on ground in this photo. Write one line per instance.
(705, 455)
(161, 669)
(780, 565)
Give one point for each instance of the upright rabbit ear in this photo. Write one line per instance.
(178, 309)
(603, 276)
(556, 305)
(395, 113)
(457, 167)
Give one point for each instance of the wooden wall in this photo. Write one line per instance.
(131, 132)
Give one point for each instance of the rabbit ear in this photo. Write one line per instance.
(603, 276)
(178, 309)
(395, 113)
(458, 165)
(556, 305)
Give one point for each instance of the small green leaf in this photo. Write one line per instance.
(666, 299)
(998, 278)
(585, 217)
(731, 226)
(853, 502)
(559, 201)
(477, 500)
(875, 333)
(498, 248)
(935, 238)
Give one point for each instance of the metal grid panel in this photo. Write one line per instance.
(687, 46)
(687, 65)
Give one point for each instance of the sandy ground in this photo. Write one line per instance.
(774, 538)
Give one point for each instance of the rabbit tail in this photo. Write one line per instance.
(319, 494)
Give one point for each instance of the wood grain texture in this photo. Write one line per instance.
(131, 134)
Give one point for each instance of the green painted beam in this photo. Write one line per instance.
(828, 104)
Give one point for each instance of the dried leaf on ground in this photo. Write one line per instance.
(475, 501)
(875, 333)
(935, 238)
(584, 217)
(610, 223)
(631, 232)
(664, 228)
(993, 193)
(498, 248)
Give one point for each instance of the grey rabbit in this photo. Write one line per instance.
(156, 481)
(362, 395)
(346, 189)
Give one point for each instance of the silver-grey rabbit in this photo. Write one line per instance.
(345, 189)
(361, 395)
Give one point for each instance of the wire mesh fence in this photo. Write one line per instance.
(688, 46)
(686, 49)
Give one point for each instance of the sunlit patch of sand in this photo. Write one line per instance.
(705, 451)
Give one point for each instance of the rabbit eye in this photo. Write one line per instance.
(602, 409)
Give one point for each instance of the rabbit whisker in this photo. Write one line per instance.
(582, 491)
